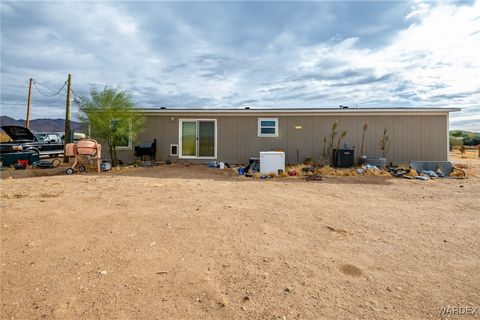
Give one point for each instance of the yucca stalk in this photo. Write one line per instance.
(332, 137)
(324, 156)
(385, 143)
(342, 135)
(365, 127)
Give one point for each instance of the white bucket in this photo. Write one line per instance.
(222, 165)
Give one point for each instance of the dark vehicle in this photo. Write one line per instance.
(24, 140)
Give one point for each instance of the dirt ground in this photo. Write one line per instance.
(175, 242)
(470, 157)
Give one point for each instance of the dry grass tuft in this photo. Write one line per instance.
(458, 174)
(412, 173)
(334, 172)
(470, 171)
(351, 172)
(326, 171)
(377, 173)
(234, 172)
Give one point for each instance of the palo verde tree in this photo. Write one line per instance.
(111, 117)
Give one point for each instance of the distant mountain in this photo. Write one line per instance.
(467, 138)
(42, 125)
(459, 133)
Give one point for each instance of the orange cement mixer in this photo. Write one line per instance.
(84, 151)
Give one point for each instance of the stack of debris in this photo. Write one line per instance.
(425, 170)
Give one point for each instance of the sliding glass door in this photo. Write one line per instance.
(189, 138)
(198, 138)
(206, 138)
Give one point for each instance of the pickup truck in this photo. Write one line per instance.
(23, 139)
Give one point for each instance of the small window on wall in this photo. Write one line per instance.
(123, 141)
(268, 127)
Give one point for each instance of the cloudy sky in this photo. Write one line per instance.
(236, 54)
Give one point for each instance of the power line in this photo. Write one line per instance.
(55, 100)
(76, 98)
(73, 92)
(45, 86)
(45, 94)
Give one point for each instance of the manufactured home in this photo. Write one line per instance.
(235, 135)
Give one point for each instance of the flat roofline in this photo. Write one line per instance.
(297, 110)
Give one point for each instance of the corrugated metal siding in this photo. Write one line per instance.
(414, 137)
(407, 133)
(433, 138)
(376, 127)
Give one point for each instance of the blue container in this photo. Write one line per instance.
(105, 166)
(241, 171)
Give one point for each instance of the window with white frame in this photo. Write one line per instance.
(268, 127)
(123, 141)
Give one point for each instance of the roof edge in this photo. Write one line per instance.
(296, 110)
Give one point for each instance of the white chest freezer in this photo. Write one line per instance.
(272, 161)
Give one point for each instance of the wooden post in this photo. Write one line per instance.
(66, 140)
(27, 121)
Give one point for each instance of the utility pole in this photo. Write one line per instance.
(67, 119)
(27, 121)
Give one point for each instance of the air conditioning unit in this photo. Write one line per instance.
(343, 158)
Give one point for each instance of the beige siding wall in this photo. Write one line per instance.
(414, 137)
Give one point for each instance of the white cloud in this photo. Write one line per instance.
(435, 61)
(418, 10)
